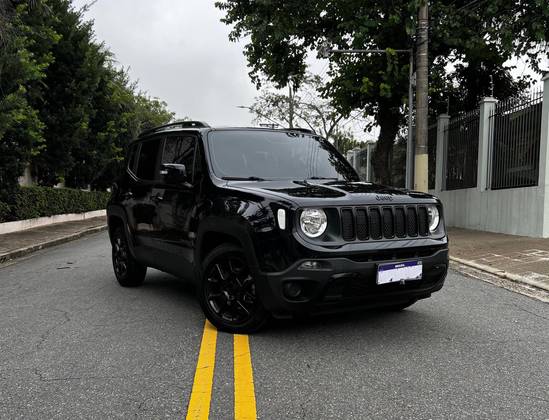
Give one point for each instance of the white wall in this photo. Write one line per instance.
(18, 225)
(515, 211)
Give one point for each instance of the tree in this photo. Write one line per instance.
(344, 141)
(465, 32)
(22, 72)
(65, 108)
(121, 114)
(310, 111)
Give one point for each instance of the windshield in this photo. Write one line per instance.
(258, 154)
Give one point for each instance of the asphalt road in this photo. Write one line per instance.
(74, 344)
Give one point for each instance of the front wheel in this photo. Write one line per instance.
(128, 271)
(227, 292)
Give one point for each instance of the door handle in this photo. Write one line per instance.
(157, 198)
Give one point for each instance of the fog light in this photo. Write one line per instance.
(292, 290)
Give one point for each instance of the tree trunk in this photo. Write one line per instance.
(388, 120)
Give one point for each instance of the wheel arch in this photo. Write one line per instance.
(116, 217)
(216, 231)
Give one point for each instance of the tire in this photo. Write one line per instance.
(401, 306)
(227, 292)
(127, 270)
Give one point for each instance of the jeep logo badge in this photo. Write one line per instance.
(384, 198)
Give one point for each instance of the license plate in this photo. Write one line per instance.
(399, 272)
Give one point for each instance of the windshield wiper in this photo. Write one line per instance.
(242, 178)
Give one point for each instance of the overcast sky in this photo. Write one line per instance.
(179, 52)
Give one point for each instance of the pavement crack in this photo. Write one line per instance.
(530, 312)
(142, 404)
(45, 335)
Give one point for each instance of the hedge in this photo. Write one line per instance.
(31, 202)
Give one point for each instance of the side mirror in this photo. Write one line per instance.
(174, 173)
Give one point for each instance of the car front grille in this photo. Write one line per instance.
(383, 222)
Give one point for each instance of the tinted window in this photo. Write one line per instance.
(132, 157)
(180, 149)
(276, 155)
(148, 156)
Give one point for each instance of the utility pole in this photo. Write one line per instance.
(291, 102)
(410, 142)
(422, 84)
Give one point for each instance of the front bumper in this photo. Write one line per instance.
(345, 283)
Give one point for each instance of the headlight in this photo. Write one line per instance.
(434, 217)
(313, 222)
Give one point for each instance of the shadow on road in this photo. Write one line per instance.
(358, 318)
(177, 291)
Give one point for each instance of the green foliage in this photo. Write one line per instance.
(31, 202)
(64, 107)
(477, 37)
(344, 141)
(21, 78)
(4, 211)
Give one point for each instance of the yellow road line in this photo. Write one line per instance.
(201, 395)
(244, 394)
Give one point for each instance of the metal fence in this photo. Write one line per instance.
(432, 155)
(462, 154)
(516, 128)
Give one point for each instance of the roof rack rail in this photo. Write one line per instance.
(180, 124)
(301, 130)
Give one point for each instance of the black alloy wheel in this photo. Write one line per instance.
(228, 292)
(127, 270)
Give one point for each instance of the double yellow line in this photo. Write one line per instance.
(244, 393)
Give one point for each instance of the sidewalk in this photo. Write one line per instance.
(518, 258)
(17, 244)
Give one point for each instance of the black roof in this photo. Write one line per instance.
(200, 125)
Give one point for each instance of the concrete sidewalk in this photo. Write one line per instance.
(17, 244)
(518, 258)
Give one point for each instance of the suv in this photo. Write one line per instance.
(270, 222)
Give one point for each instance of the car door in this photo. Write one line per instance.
(175, 205)
(143, 210)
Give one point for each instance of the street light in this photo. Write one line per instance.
(325, 51)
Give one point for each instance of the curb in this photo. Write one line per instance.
(501, 273)
(33, 248)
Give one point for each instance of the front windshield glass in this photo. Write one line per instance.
(259, 154)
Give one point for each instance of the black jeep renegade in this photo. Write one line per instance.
(270, 222)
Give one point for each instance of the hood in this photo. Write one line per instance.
(310, 192)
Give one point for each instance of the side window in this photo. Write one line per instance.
(180, 149)
(132, 157)
(148, 156)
